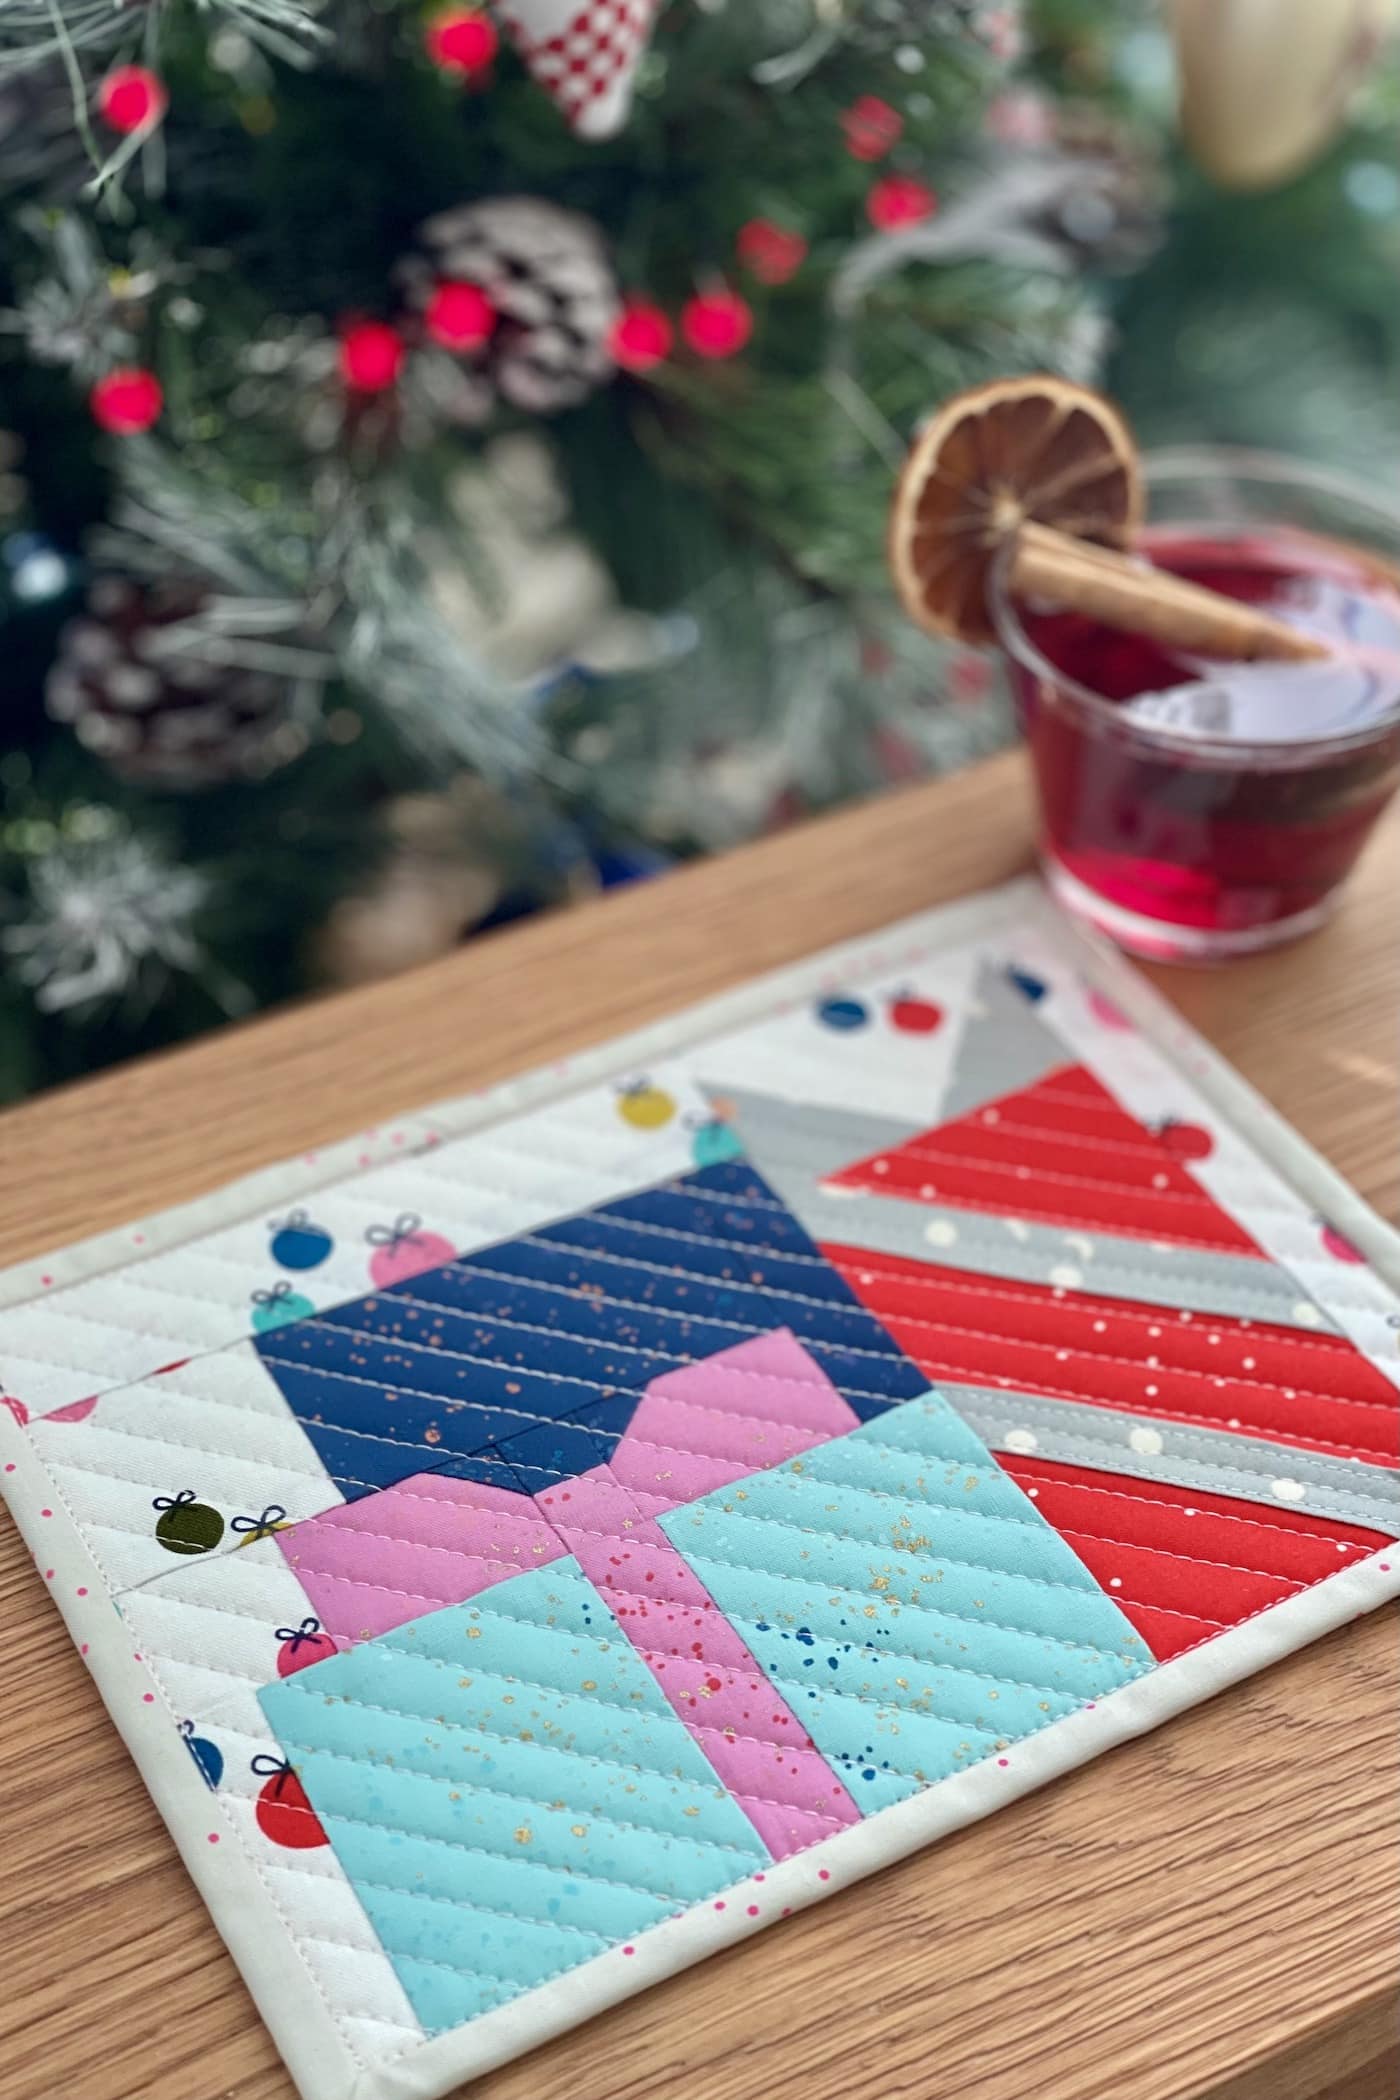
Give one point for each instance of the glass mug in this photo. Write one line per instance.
(1196, 813)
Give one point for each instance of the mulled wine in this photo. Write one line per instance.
(1202, 810)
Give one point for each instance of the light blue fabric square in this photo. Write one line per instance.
(907, 1599)
(507, 1790)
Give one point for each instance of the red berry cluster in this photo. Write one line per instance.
(873, 129)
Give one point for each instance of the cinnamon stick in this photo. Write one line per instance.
(1120, 592)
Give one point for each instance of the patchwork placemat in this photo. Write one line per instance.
(546, 1540)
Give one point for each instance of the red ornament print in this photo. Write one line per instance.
(284, 1814)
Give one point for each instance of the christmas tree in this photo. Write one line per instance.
(446, 453)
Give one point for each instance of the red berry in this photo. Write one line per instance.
(1186, 1140)
(641, 338)
(717, 324)
(459, 316)
(871, 128)
(899, 200)
(773, 253)
(284, 1814)
(915, 1016)
(126, 401)
(132, 98)
(461, 40)
(371, 354)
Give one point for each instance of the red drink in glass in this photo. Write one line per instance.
(1200, 811)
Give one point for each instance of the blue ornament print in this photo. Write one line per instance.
(208, 1756)
(297, 1243)
(843, 1014)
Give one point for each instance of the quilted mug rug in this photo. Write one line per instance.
(551, 1538)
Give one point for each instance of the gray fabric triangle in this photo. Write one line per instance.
(1004, 1046)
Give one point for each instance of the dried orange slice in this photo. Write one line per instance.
(1038, 449)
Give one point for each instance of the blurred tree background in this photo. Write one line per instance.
(444, 448)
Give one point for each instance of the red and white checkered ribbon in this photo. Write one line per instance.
(584, 53)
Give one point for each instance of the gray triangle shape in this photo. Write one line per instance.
(1004, 1047)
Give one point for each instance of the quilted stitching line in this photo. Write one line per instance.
(950, 1375)
(972, 1284)
(1066, 1222)
(963, 1669)
(920, 1663)
(469, 1785)
(384, 1646)
(886, 1705)
(1188, 1560)
(935, 1157)
(1034, 1524)
(1026, 1633)
(486, 1910)
(1152, 1150)
(648, 1228)
(1077, 1707)
(1091, 1445)
(1176, 1271)
(295, 1539)
(956, 1560)
(738, 1250)
(1215, 1516)
(525, 1415)
(1196, 1617)
(141, 1436)
(389, 1589)
(762, 1291)
(1132, 1363)
(336, 2018)
(434, 1352)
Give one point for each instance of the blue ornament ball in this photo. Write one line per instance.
(208, 1756)
(843, 1014)
(297, 1243)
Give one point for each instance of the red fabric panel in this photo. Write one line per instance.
(1063, 1153)
(1181, 1563)
(1318, 1392)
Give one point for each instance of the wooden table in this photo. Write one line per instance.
(1209, 1912)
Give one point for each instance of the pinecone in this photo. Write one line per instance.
(148, 688)
(546, 274)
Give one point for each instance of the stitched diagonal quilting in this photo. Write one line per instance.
(525, 1728)
(577, 1318)
(909, 1639)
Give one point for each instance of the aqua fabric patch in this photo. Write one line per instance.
(547, 1342)
(508, 1790)
(907, 1599)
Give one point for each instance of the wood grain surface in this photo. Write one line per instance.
(1207, 1914)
